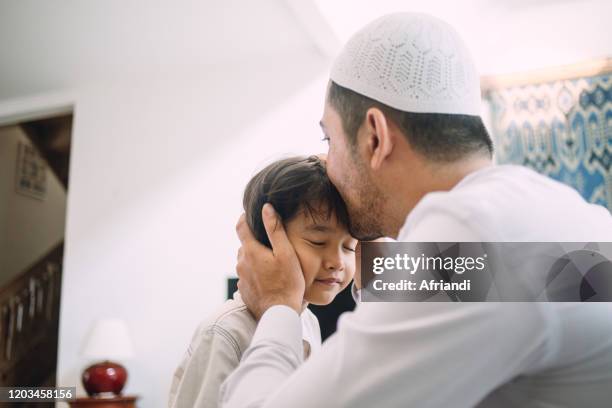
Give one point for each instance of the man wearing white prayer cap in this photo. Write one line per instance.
(410, 155)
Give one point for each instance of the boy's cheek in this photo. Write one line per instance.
(347, 281)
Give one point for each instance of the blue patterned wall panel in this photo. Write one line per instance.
(562, 129)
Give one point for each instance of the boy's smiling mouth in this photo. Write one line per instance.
(329, 281)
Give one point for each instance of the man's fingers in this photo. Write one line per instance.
(274, 229)
(242, 229)
(240, 254)
(240, 286)
(245, 235)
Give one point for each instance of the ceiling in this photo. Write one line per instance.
(61, 44)
(47, 45)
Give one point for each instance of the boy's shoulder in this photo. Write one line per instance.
(232, 321)
(233, 324)
(217, 344)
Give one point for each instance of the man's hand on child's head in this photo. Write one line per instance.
(268, 277)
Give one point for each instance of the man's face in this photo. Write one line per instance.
(350, 174)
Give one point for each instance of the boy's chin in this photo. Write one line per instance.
(320, 298)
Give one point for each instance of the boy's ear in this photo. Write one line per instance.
(379, 138)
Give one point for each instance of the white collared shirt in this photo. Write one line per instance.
(451, 354)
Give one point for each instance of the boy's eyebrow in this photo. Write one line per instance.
(319, 228)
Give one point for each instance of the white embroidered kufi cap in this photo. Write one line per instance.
(411, 62)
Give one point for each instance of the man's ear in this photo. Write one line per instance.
(379, 139)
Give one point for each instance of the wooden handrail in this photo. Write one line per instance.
(29, 317)
(54, 253)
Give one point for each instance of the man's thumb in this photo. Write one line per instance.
(274, 228)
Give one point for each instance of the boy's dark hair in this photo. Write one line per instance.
(292, 185)
(437, 136)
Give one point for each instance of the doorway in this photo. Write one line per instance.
(34, 179)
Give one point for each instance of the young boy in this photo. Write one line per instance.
(316, 221)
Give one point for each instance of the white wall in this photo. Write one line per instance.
(29, 227)
(56, 44)
(158, 167)
(525, 35)
(504, 36)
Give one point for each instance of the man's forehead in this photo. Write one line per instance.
(328, 122)
(330, 115)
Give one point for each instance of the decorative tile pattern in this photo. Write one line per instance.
(561, 128)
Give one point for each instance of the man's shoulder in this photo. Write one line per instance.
(512, 203)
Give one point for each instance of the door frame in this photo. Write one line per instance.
(42, 106)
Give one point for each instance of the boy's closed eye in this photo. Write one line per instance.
(315, 243)
(351, 244)
(318, 243)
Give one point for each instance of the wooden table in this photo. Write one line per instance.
(123, 401)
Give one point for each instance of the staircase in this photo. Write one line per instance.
(29, 317)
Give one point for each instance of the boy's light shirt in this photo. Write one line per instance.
(216, 349)
(451, 354)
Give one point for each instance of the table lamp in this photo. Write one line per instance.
(109, 340)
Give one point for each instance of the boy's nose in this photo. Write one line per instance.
(334, 262)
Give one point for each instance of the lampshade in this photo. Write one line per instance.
(108, 340)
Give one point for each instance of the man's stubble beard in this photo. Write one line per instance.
(366, 213)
